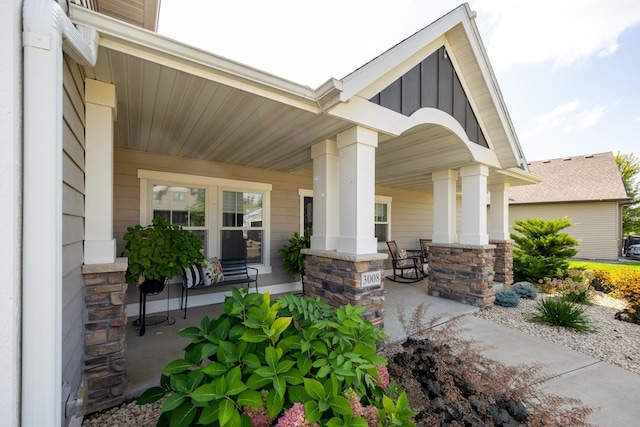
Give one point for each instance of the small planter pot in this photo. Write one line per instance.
(152, 286)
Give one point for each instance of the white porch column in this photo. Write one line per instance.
(474, 205)
(357, 148)
(499, 212)
(444, 206)
(326, 196)
(100, 112)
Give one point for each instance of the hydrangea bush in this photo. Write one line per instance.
(292, 362)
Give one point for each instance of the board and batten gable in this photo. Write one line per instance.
(594, 224)
(73, 190)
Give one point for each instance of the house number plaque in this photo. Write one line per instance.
(371, 278)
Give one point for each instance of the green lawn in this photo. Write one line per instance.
(605, 266)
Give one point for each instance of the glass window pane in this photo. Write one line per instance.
(380, 212)
(381, 232)
(183, 206)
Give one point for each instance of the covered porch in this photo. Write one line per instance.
(149, 354)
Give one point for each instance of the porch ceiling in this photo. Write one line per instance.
(173, 99)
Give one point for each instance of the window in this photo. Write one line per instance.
(231, 217)
(382, 219)
(242, 230)
(382, 215)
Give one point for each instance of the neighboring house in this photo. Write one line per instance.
(108, 124)
(586, 189)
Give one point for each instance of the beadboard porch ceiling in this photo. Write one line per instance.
(176, 100)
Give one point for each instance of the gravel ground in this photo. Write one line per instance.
(614, 341)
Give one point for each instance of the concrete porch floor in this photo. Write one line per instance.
(147, 355)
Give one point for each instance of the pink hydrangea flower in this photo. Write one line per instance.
(383, 376)
(258, 416)
(294, 417)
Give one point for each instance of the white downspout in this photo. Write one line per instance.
(45, 29)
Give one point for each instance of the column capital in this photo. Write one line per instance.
(326, 147)
(444, 175)
(100, 93)
(475, 169)
(358, 134)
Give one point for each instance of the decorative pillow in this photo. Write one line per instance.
(402, 258)
(192, 276)
(212, 271)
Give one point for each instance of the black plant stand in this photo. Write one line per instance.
(151, 287)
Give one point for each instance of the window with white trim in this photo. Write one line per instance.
(231, 217)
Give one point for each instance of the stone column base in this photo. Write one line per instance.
(504, 261)
(462, 273)
(104, 334)
(340, 279)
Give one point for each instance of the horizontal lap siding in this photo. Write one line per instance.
(595, 225)
(72, 224)
(411, 218)
(285, 201)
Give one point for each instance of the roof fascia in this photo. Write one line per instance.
(363, 77)
(518, 175)
(492, 84)
(130, 39)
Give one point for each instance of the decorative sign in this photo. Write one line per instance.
(371, 278)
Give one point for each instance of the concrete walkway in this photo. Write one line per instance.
(614, 391)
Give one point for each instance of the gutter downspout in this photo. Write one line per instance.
(46, 33)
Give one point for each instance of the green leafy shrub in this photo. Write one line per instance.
(558, 312)
(507, 299)
(262, 361)
(540, 249)
(525, 291)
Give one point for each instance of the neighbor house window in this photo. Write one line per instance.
(231, 217)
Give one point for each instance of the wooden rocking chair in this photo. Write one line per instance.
(406, 269)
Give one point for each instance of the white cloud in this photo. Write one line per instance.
(565, 32)
(591, 117)
(557, 117)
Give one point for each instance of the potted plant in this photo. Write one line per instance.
(292, 259)
(157, 252)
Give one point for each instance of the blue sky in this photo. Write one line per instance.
(569, 70)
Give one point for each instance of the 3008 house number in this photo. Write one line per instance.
(371, 278)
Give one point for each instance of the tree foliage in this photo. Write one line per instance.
(541, 250)
(629, 167)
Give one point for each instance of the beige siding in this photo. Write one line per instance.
(595, 225)
(285, 205)
(72, 224)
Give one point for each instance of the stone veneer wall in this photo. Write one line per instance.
(104, 337)
(462, 273)
(504, 261)
(336, 279)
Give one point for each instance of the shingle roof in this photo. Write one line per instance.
(572, 179)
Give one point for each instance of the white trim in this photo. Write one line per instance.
(45, 26)
(213, 213)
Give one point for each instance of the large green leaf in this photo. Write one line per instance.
(177, 366)
(254, 335)
(191, 332)
(173, 401)
(206, 393)
(340, 405)
(275, 403)
(251, 361)
(250, 398)
(209, 414)
(280, 325)
(183, 415)
(293, 376)
(256, 382)
(271, 356)
(215, 369)
(151, 395)
(226, 412)
(194, 379)
(314, 388)
(312, 411)
(279, 385)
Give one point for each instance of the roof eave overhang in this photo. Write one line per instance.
(127, 38)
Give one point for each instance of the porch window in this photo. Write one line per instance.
(242, 226)
(382, 219)
(183, 206)
(231, 217)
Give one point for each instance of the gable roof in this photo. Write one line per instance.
(582, 178)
